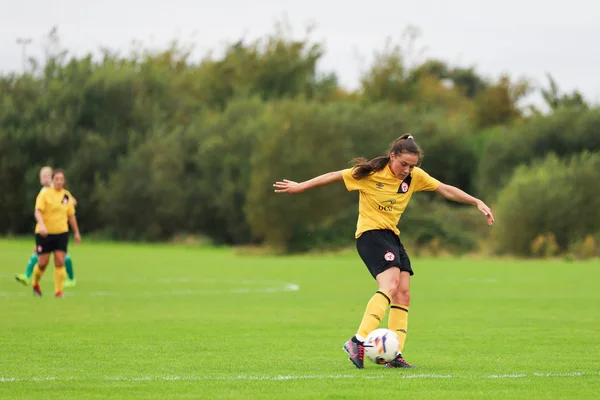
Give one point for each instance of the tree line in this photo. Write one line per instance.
(156, 145)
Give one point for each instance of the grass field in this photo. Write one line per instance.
(172, 322)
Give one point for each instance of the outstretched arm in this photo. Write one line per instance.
(287, 186)
(455, 194)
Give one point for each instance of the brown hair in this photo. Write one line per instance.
(404, 144)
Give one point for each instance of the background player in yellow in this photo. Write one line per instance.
(46, 182)
(54, 212)
(385, 186)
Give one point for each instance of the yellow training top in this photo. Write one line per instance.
(383, 197)
(56, 206)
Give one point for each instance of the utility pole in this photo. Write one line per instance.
(23, 42)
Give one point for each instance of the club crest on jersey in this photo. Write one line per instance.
(389, 256)
(379, 185)
(65, 199)
(405, 185)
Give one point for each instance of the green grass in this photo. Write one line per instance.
(172, 322)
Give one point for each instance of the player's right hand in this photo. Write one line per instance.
(43, 231)
(287, 186)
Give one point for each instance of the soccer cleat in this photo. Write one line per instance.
(58, 294)
(37, 291)
(70, 282)
(356, 352)
(22, 278)
(399, 362)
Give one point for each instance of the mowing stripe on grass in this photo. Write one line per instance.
(284, 287)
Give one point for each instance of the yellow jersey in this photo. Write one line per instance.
(56, 207)
(383, 197)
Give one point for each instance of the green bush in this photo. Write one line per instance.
(442, 227)
(300, 140)
(558, 197)
(564, 133)
(586, 248)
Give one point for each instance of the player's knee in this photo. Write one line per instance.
(388, 281)
(59, 259)
(390, 287)
(390, 290)
(402, 296)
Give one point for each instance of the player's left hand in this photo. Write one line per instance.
(77, 238)
(485, 210)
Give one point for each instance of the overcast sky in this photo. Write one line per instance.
(521, 37)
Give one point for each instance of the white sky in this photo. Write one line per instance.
(525, 38)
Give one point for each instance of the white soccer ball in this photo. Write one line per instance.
(381, 346)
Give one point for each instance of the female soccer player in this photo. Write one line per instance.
(385, 184)
(54, 212)
(25, 279)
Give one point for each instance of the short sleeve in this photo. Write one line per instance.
(70, 206)
(70, 209)
(350, 182)
(424, 181)
(40, 201)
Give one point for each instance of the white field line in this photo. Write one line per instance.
(297, 377)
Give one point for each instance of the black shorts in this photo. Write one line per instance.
(50, 243)
(381, 250)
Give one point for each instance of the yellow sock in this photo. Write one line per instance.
(398, 322)
(373, 314)
(37, 275)
(59, 278)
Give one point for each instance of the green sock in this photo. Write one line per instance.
(69, 267)
(30, 264)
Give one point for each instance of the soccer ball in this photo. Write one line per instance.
(381, 346)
